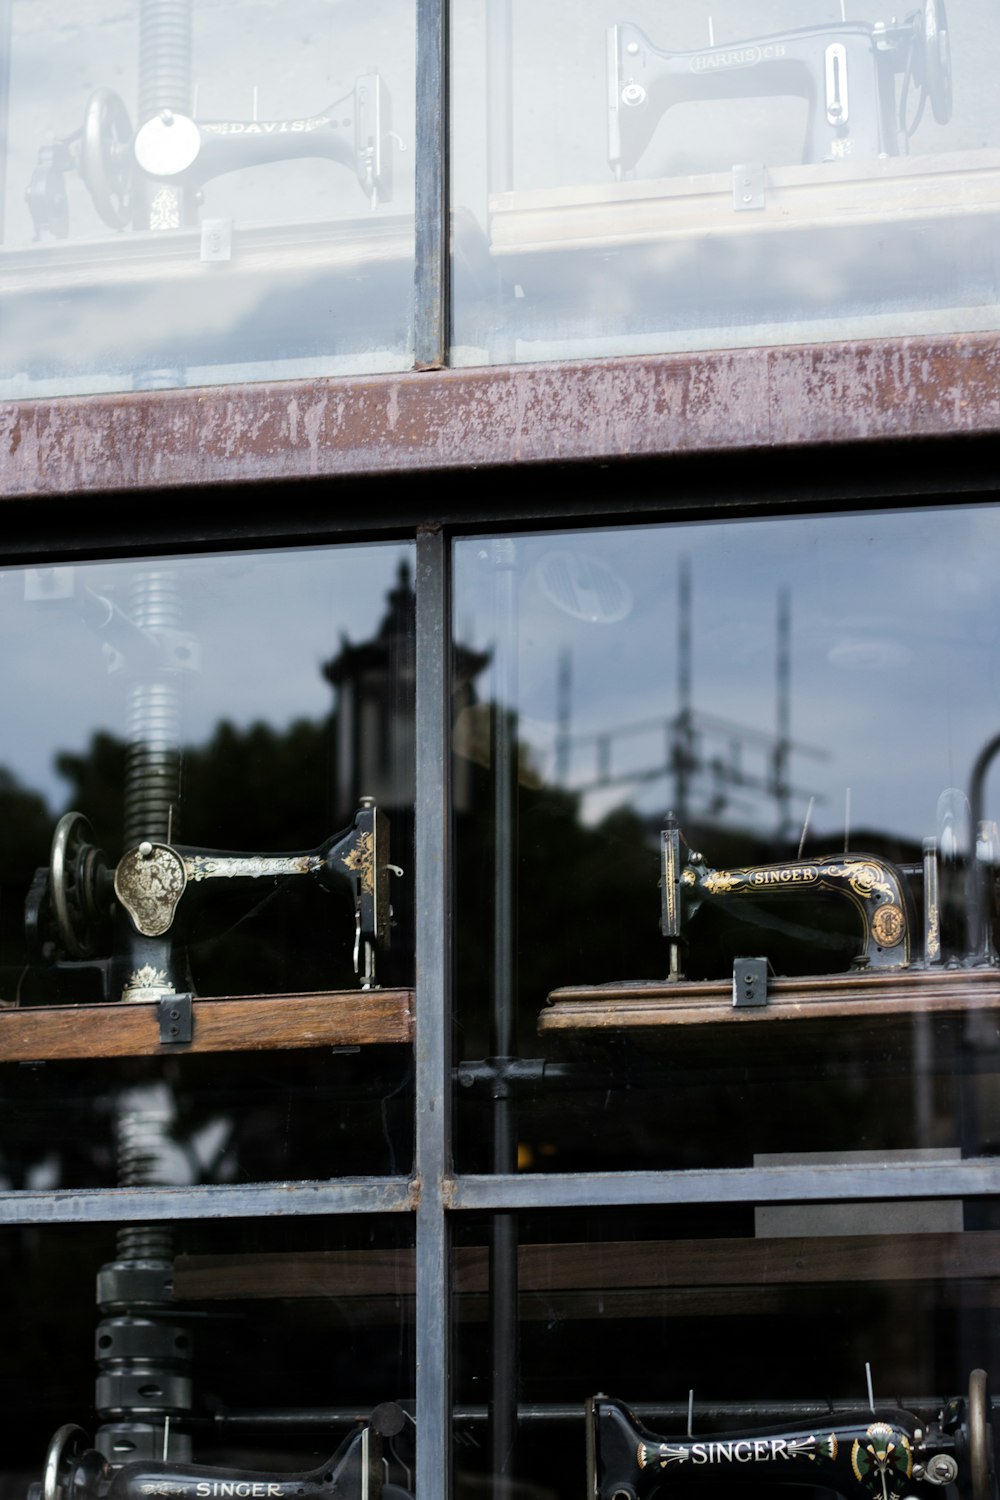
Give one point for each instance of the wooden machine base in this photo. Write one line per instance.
(829, 997)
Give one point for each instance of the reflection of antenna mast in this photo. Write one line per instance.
(781, 790)
(682, 749)
(726, 763)
(564, 711)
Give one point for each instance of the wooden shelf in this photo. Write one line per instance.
(829, 997)
(628, 1278)
(830, 196)
(258, 1023)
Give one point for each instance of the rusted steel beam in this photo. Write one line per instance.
(724, 402)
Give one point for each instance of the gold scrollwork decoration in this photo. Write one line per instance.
(361, 860)
(864, 878)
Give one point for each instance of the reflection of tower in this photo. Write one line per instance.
(375, 715)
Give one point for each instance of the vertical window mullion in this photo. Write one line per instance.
(431, 274)
(433, 1013)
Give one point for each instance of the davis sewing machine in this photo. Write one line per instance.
(125, 170)
(884, 1453)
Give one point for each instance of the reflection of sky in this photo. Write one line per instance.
(895, 671)
(264, 624)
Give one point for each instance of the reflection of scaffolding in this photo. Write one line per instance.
(714, 763)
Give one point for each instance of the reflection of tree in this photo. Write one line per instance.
(27, 831)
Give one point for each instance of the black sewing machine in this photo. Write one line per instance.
(882, 1454)
(75, 1471)
(957, 911)
(74, 903)
(173, 148)
(846, 71)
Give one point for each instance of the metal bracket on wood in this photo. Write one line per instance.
(176, 1016)
(749, 983)
(748, 186)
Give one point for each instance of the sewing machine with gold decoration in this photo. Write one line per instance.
(884, 1453)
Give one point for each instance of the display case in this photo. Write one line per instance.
(722, 175)
(195, 194)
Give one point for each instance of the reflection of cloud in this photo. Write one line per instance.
(264, 623)
(860, 654)
(117, 309)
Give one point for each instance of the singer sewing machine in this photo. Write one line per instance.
(923, 936)
(75, 1471)
(877, 891)
(846, 71)
(173, 148)
(881, 1454)
(79, 902)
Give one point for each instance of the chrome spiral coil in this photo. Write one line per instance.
(165, 28)
(142, 1136)
(153, 718)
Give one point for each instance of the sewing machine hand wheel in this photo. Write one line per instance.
(979, 1418)
(66, 1446)
(106, 156)
(78, 881)
(937, 60)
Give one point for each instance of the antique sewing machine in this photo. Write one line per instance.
(884, 1453)
(173, 148)
(130, 922)
(76, 902)
(878, 891)
(846, 71)
(75, 1471)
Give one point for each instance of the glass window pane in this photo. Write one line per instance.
(691, 754)
(208, 791)
(736, 1337)
(638, 179)
(256, 1351)
(194, 194)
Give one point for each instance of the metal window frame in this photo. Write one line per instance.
(434, 1195)
(731, 432)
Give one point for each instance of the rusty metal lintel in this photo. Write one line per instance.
(729, 402)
